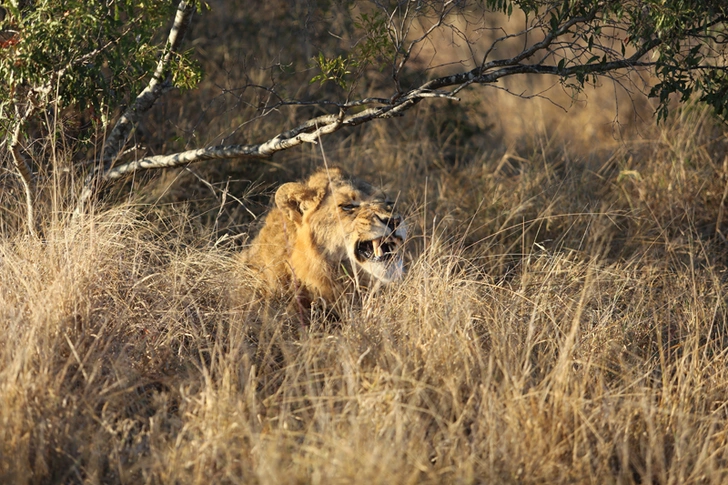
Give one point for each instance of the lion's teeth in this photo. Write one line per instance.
(377, 247)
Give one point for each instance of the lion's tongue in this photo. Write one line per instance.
(376, 243)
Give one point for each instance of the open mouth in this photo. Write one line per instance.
(378, 250)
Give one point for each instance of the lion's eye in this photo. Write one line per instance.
(348, 207)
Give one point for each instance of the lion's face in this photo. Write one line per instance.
(347, 218)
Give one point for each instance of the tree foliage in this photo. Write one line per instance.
(683, 42)
(80, 54)
(93, 56)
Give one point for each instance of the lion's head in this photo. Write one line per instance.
(328, 225)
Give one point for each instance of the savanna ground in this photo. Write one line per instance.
(563, 318)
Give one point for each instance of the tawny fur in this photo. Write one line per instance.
(309, 243)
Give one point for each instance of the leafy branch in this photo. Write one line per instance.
(573, 45)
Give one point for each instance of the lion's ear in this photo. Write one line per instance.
(294, 199)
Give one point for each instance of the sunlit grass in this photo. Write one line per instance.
(560, 321)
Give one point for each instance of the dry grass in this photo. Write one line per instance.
(563, 318)
(561, 321)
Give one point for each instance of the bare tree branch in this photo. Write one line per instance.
(311, 130)
(564, 47)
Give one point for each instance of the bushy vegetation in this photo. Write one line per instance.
(563, 318)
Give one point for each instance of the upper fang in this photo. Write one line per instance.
(376, 244)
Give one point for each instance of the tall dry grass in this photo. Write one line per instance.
(562, 320)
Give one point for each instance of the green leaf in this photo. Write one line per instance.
(554, 22)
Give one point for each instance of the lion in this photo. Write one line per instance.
(324, 234)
